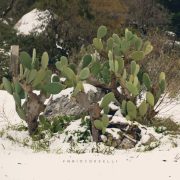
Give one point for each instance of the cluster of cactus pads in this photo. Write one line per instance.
(114, 66)
(33, 75)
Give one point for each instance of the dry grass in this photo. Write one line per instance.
(168, 123)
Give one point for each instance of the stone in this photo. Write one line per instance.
(147, 139)
(67, 106)
(62, 106)
(126, 144)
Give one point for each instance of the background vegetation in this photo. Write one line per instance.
(75, 22)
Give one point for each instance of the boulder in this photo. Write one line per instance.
(65, 105)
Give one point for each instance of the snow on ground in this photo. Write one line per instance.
(20, 165)
(7, 109)
(33, 22)
(18, 162)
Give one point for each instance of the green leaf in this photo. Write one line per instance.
(60, 64)
(106, 74)
(116, 66)
(35, 62)
(137, 69)
(106, 110)
(107, 99)
(162, 85)
(123, 107)
(25, 60)
(31, 76)
(147, 47)
(117, 50)
(143, 108)
(84, 73)
(147, 81)
(124, 74)
(64, 61)
(128, 35)
(17, 87)
(39, 77)
(111, 65)
(121, 64)
(53, 88)
(68, 73)
(95, 68)
(102, 31)
(131, 109)
(55, 78)
(98, 124)
(138, 44)
(116, 39)
(17, 99)
(133, 67)
(110, 43)
(87, 59)
(44, 60)
(110, 55)
(21, 112)
(125, 45)
(79, 88)
(162, 76)
(97, 44)
(132, 88)
(137, 55)
(150, 98)
(105, 120)
(103, 130)
(7, 85)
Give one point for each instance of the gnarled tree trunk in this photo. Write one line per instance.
(35, 105)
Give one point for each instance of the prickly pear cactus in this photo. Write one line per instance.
(33, 76)
(115, 67)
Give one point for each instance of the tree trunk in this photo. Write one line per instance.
(95, 114)
(94, 111)
(34, 107)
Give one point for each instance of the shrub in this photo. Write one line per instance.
(33, 75)
(115, 64)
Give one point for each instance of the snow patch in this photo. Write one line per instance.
(8, 113)
(33, 22)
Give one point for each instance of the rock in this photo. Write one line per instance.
(147, 139)
(66, 106)
(62, 106)
(126, 144)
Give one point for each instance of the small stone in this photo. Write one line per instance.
(147, 139)
(103, 138)
(127, 144)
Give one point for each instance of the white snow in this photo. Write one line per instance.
(19, 163)
(8, 113)
(65, 92)
(33, 22)
(113, 132)
(120, 119)
(68, 92)
(89, 87)
(22, 165)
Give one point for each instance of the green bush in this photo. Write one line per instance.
(115, 63)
